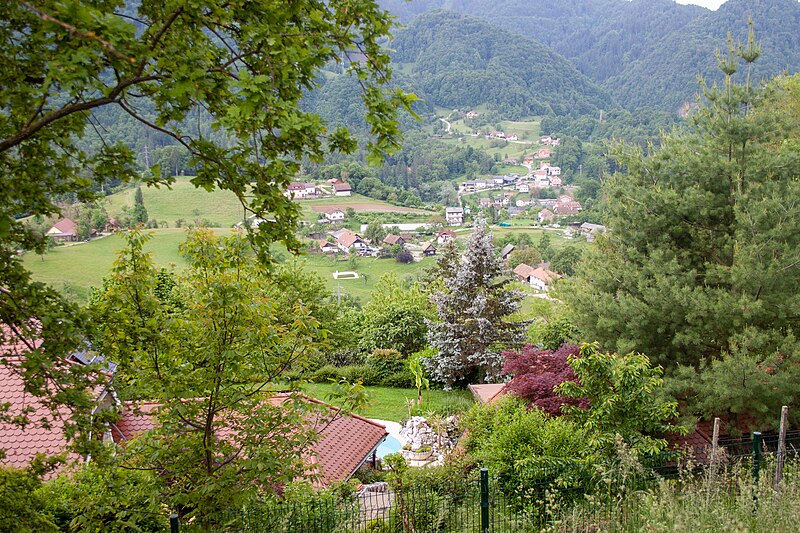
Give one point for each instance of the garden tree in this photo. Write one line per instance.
(404, 256)
(545, 247)
(565, 259)
(510, 438)
(529, 256)
(242, 65)
(536, 373)
(209, 363)
(473, 308)
(395, 318)
(375, 232)
(139, 212)
(625, 399)
(703, 254)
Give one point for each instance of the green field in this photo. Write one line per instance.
(370, 270)
(514, 150)
(75, 268)
(183, 201)
(388, 403)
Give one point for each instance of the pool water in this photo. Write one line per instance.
(390, 445)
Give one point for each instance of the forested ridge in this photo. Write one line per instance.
(644, 52)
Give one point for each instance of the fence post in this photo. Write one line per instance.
(174, 524)
(484, 500)
(715, 448)
(781, 448)
(756, 455)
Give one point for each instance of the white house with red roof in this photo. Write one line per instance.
(65, 230)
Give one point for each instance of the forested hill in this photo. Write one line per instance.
(462, 61)
(644, 52)
(666, 76)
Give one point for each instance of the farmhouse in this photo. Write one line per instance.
(428, 249)
(545, 215)
(334, 214)
(542, 278)
(391, 240)
(445, 236)
(342, 189)
(523, 272)
(327, 247)
(506, 251)
(347, 241)
(65, 230)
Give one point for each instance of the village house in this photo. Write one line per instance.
(516, 211)
(65, 230)
(522, 202)
(506, 251)
(392, 239)
(523, 186)
(553, 171)
(349, 241)
(496, 134)
(527, 160)
(468, 186)
(445, 236)
(454, 216)
(545, 139)
(472, 114)
(327, 247)
(555, 181)
(334, 214)
(567, 208)
(344, 443)
(545, 215)
(484, 202)
(342, 189)
(300, 190)
(523, 272)
(542, 153)
(512, 137)
(542, 278)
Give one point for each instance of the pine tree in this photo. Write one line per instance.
(474, 308)
(139, 213)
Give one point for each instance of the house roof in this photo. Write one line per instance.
(392, 239)
(45, 432)
(343, 445)
(348, 239)
(428, 246)
(507, 249)
(323, 244)
(341, 187)
(65, 226)
(524, 271)
(487, 393)
(544, 274)
(447, 232)
(297, 186)
(454, 210)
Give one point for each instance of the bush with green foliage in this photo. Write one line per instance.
(23, 507)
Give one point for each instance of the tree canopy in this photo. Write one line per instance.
(166, 65)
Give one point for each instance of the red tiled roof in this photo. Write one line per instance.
(545, 275)
(348, 239)
(487, 393)
(341, 187)
(524, 271)
(65, 226)
(391, 240)
(343, 444)
(22, 444)
(448, 232)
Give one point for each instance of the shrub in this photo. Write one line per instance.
(365, 373)
(386, 362)
(325, 374)
(401, 380)
(404, 256)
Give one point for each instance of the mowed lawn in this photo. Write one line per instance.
(369, 269)
(358, 202)
(182, 201)
(387, 403)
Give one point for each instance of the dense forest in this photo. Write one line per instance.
(644, 52)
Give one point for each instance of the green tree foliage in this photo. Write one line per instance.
(139, 212)
(508, 436)
(625, 399)
(565, 259)
(245, 65)
(473, 308)
(395, 317)
(703, 251)
(22, 507)
(529, 256)
(375, 232)
(209, 364)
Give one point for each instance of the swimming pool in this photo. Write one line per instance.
(390, 445)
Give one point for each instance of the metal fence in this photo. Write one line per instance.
(572, 496)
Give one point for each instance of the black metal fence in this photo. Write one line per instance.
(572, 496)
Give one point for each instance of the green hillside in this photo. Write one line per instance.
(461, 61)
(182, 201)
